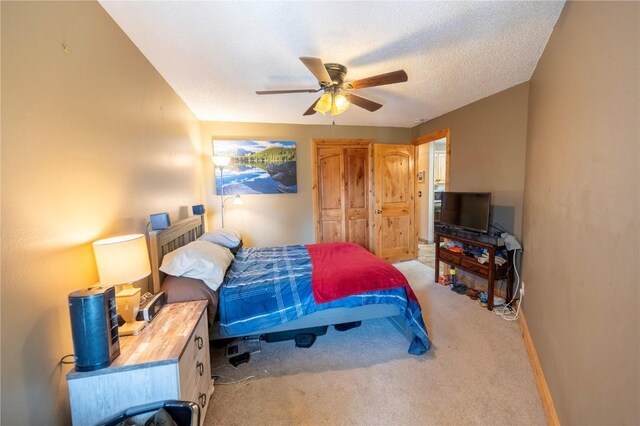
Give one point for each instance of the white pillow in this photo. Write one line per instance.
(224, 237)
(200, 260)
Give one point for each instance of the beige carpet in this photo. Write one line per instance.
(477, 372)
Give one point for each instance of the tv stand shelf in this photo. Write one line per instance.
(488, 270)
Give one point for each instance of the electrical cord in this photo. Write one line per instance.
(506, 312)
(63, 360)
(239, 383)
(497, 227)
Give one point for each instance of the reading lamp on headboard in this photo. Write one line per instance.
(122, 261)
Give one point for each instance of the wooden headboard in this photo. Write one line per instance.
(162, 242)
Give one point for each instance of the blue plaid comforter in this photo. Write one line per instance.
(270, 286)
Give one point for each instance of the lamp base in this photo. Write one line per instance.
(131, 328)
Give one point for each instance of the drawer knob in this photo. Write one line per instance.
(199, 342)
(202, 399)
(200, 368)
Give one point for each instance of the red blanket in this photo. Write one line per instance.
(344, 269)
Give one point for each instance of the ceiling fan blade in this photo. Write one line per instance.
(311, 111)
(364, 103)
(278, 92)
(317, 68)
(379, 80)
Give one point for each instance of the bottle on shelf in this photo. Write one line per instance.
(452, 277)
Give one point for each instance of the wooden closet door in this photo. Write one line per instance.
(356, 188)
(342, 190)
(330, 172)
(394, 203)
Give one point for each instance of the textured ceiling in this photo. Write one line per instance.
(215, 55)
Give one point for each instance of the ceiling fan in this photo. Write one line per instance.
(337, 97)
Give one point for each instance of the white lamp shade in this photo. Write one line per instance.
(122, 259)
(237, 200)
(221, 160)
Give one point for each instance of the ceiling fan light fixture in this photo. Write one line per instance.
(324, 103)
(340, 104)
(337, 97)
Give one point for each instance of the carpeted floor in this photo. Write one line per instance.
(477, 372)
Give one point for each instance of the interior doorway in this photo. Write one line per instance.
(433, 155)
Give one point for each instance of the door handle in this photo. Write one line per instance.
(419, 194)
(378, 211)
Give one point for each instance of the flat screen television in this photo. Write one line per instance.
(466, 210)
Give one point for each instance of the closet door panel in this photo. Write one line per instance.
(357, 195)
(331, 207)
(358, 231)
(331, 231)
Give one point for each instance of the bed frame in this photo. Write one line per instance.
(187, 230)
(175, 236)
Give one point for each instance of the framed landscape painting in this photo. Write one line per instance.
(256, 167)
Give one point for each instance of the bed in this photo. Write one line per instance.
(290, 307)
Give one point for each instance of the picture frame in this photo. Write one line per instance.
(256, 167)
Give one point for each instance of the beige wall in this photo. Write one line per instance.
(581, 232)
(266, 220)
(488, 140)
(92, 142)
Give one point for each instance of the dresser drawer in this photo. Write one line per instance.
(449, 256)
(204, 384)
(472, 264)
(204, 388)
(194, 360)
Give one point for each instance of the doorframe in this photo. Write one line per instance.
(431, 137)
(434, 136)
(342, 143)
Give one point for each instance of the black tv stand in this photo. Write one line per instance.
(469, 263)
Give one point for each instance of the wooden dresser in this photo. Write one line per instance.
(169, 359)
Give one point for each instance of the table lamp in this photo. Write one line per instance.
(122, 261)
